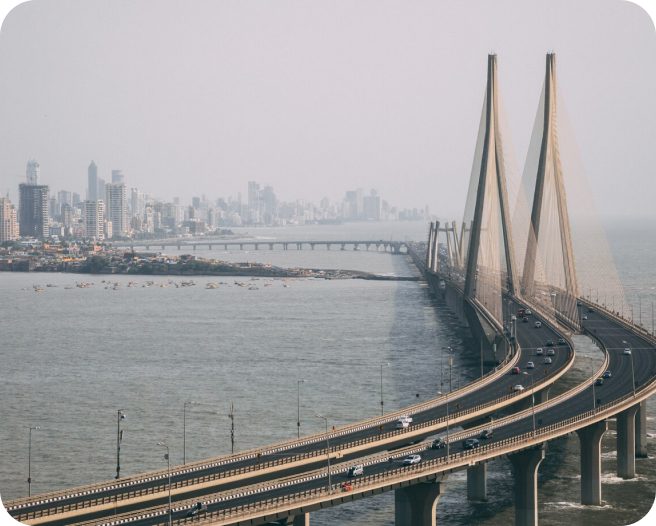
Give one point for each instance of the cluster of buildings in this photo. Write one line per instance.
(111, 212)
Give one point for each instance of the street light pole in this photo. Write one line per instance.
(184, 429)
(120, 415)
(29, 461)
(231, 416)
(168, 469)
(382, 406)
(325, 419)
(594, 394)
(298, 407)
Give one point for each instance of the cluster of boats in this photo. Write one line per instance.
(115, 285)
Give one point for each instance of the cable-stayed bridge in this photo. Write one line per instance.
(521, 309)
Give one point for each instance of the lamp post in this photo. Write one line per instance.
(167, 456)
(29, 460)
(120, 415)
(382, 406)
(184, 429)
(447, 407)
(325, 419)
(594, 394)
(231, 416)
(442, 366)
(298, 407)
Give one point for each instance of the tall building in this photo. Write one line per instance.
(372, 206)
(8, 220)
(33, 210)
(117, 208)
(254, 202)
(32, 172)
(117, 177)
(92, 182)
(94, 212)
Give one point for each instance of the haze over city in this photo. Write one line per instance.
(314, 99)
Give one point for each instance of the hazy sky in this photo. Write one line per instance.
(316, 97)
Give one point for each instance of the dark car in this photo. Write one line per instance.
(471, 443)
(486, 433)
(198, 507)
(438, 443)
(607, 374)
(561, 341)
(550, 343)
(525, 319)
(600, 381)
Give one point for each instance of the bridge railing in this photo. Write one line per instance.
(451, 462)
(628, 324)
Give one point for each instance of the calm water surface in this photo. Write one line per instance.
(71, 357)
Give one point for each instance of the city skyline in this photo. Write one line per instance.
(383, 99)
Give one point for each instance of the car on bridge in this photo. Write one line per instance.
(516, 370)
(528, 312)
(198, 507)
(627, 351)
(539, 351)
(551, 352)
(607, 374)
(550, 343)
(485, 434)
(355, 471)
(538, 324)
(599, 381)
(547, 360)
(411, 459)
(519, 387)
(438, 443)
(471, 443)
(525, 319)
(561, 341)
(530, 365)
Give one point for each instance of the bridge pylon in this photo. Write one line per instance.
(549, 272)
(489, 260)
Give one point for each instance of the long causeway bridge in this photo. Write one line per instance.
(519, 314)
(395, 247)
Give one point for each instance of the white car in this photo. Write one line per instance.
(528, 312)
(406, 418)
(530, 365)
(539, 351)
(551, 352)
(627, 351)
(402, 424)
(412, 459)
(547, 360)
(518, 388)
(538, 324)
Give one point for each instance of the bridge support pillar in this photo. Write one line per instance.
(590, 440)
(641, 430)
(525, 467)
(301, 520)
(626, 442)
(416, 505)
(477, 482)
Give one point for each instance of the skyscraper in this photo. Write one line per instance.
(117, 208)
(33, 210)
(92, 182)
(94, 212)
(117, 177)
(8, 220)
(32, 172)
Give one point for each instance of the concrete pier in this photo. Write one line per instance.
(641, 430)
(477, 482)
(525, 468)
(590, 440)
(302, 520)
(416, 505)
(626, 442)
